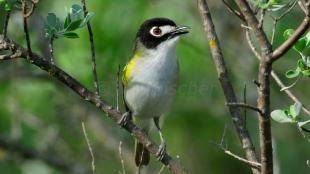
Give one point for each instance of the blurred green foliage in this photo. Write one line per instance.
(40, 113)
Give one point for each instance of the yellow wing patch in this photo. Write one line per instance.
(128, 69)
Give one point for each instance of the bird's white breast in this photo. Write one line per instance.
(153, 83)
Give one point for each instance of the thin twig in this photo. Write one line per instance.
(226, 85)
(222, 145)
(251, 163)
(288, 92)
(261, 20)
(51, 49)
(6, 23)
(121, 157)
(252, 46)
(233, 11)
(244, 105)
(93, 167)
(245, 101)
(161, 169)
(93, 50)
(24, 7)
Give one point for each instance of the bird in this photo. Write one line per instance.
(150, 79)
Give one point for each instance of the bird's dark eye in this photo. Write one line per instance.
(156, 31)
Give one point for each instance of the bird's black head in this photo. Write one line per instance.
(155, 31)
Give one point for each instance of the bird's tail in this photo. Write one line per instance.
(142, 155)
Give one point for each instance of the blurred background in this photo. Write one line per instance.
(40, 118)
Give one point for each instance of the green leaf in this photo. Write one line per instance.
(301, 65)
(70, 35)
(295, 109)
(308, 39)
(306, 72)
(288, 33)
(51, 19)
(300, 44)
(281, 117)
(7, 7)
(292, 73)
(275, 2)
(76, 12)
(74, 25)
(87, 18)
(67, 21)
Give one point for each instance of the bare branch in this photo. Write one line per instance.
(93, 167)
(244, 105)
(221, 68)
(24, 7)
(51, 49)
(263, 90)
(121, 157)
(233, 11)
(93, 51)
(251, 163)
(6, 23)
(87, 95)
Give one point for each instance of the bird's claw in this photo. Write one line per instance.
(160, 154)
(126, 117)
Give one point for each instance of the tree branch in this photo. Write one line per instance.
(25, 16)
(87, 95)
(6, 23)
(263, 90)
(93, 51)
(282, 49)
(245, 105)
(228, 90)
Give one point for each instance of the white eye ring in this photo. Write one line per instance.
(156, 31)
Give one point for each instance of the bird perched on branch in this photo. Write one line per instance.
(150, 78)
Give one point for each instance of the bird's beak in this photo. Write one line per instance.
(179, 31)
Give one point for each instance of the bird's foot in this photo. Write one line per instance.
(160, 154)
(126, 117)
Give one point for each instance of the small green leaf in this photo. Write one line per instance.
(51, 19)
(308, 39)
(306, 72)
(301, 64)
(281, 117)
(287, 33)
(295, 110)
(74, 25)
(300, 44)
(70, 35)
(292, 73)
(67, 21)
(76, 12)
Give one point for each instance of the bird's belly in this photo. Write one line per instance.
(151, 91)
